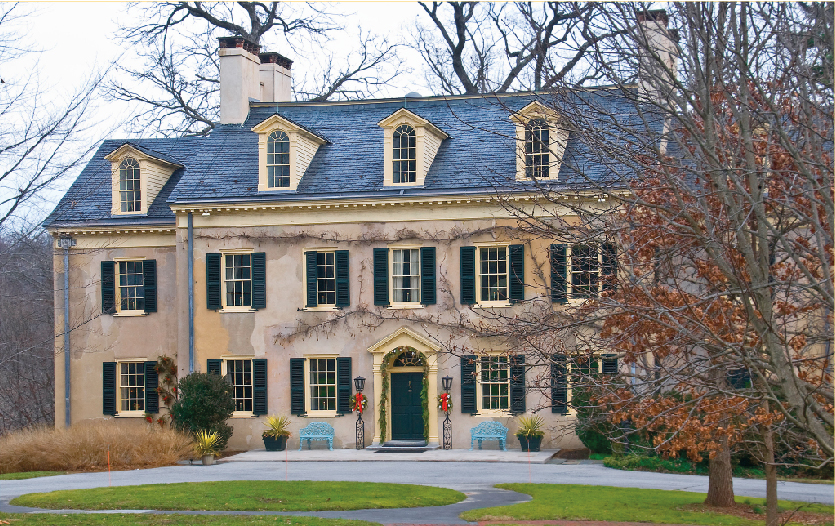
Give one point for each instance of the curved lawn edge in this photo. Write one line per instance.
(23, 475)
(245, 495)
(583, 502)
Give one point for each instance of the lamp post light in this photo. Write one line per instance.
(446, 382)
(359, 385)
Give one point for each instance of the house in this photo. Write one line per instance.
(301, 245)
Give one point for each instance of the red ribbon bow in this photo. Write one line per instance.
(359, 403)
(444, 402)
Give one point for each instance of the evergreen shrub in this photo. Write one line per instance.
(205, 403)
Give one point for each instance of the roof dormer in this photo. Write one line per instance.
(137, 176)
(410, 145)
(285, 150)
(541, 137)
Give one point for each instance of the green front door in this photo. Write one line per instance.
(406, 409)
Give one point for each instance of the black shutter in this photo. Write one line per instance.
(108, 383)
(739, 378)
(108, 288)
(343, 385)
(559, 270)
(517, 272)
(468, 383)
(259, 280)
(310, 277)
(517, 384)
(427, 276)
(297, 386)
(559, 384)
(610, 364)
(609, 267)
(381, 277)
(259, 387)
(151, 384)
(213, 282)
(343, 291)
(467, 275)
(213, 366)
(149, 282)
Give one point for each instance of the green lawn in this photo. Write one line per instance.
(48, 519)
(245, 495)
(579, 502)
(30, 475)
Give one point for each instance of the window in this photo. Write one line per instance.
(129, 186)
(537, 149)
(404, 155)
(237, 280)
(327, 283)
(322, 384)
(239, 373)
(493, 274)
(582, 271)
(131, 386)
(325, 278)
(405, 275)
(131, 289)
(278, 160)
(495, 383)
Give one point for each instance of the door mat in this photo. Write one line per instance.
(400, 450)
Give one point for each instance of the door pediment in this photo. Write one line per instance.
(404, 337)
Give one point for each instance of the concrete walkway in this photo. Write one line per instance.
(370, 455)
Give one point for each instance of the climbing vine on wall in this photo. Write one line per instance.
(384, 396)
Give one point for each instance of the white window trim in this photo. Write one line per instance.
(224, 371)
(422, 128)
(117, 298)
(479, 304)
(296, 135)
(479, 401)
(404, 305)
(223, 254)
(318, 413)
(569, 390)
(119, 412)
(569, 285)
(557, 138)
(318, 308)
(147, 165)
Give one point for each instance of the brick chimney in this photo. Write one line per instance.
(657, 54)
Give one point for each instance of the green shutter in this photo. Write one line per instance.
(149, 283)
(381, 277)
(213, 285)
(467, 275)
(517, 272)
(343, 385)
(609, 267)
(739, 378)
(259, 387)
(559, 384)
(151, 384)
(108, 287)
(213, 366)
(517, 384)
(108, 383)
(468, 384)
(310, 277)
(259, 280)
(343, 290)
(297, 386)
(559, 269)
(427, 276)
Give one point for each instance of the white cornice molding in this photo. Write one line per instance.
(276, 122)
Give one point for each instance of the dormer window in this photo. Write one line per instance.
(541, 138)
(278, 160)
(537, 153)
(404, 155)
(130, 193)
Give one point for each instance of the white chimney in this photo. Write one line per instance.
(275, 78)
(239, 78)
(657, 54)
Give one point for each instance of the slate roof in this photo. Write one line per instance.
(479, 156)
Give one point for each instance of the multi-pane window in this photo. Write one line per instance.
(322, 384)
(405, 275)
(537, 148)
(584, 271)
(493, 274)
(325, 278)
(239, 373)
(131, 286)
(278, 160)
(132, 386)
(404, 155)
(130, 196)
(495, 382)
(238, 280)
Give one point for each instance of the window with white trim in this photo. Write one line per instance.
(494, 383)
(588, 267)
(278, 160)
(321, 384)
(492, 274)
(326, 278)
(237, 280)
(131, 287)
(130, 194)
(131, 386)
(239, 373)
(537, 149)
(405, 275)
(404, 155)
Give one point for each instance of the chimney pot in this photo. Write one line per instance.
(654, 15)
(271, 57)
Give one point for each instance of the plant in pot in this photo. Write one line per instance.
(275, 437)
(207, 445)
(530, 432)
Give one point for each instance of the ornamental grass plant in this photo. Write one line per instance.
(85, 446)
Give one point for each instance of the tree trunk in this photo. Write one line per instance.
(772, 517)
(720, 486)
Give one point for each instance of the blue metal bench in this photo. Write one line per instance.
(316, 431)
(489, 431)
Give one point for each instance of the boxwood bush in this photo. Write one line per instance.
(204, 404)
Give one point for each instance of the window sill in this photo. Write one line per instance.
(492, 304)
(404, 306)
(321, 414)
(130, 414)
(243, 414)
(493, 413)
(236, 309)
(321, 308)
(129, 313)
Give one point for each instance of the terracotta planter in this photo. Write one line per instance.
(529, 443)
(208, 460)
(275, 444)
